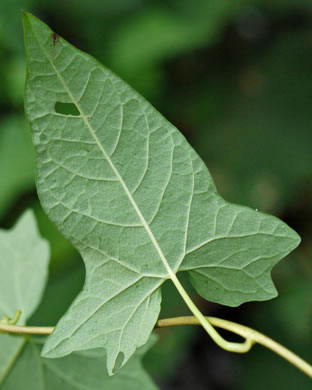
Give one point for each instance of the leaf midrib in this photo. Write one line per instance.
(113, 167)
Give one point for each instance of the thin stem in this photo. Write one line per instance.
(205, 323)
(241, 330)
(247, 333)
(14, 320)
(25, 330)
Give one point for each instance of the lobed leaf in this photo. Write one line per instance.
(125, 187)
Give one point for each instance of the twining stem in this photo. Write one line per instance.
(205, 323)
(248, 333)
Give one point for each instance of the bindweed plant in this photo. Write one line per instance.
(123, 185)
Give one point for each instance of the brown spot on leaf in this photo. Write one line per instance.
(55, 38)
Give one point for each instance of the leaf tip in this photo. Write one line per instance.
(31, 22)
(295, 239)
(26, 18)
(27, 24)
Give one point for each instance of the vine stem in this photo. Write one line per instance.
(246, 332)
(249, 334)
(205, 323)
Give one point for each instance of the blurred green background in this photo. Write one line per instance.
(236, 78)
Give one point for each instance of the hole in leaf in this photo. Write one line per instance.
(66, 109)
(118, 362)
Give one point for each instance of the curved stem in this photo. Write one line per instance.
(14, 320)
(205, 323)
(248, 333)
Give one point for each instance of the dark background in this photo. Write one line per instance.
(236, 78)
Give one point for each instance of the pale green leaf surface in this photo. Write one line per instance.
(23, 271)
(23, 267)
(125, 187)
(79, 371)
(24, 258)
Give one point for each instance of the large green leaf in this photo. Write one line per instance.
(124, 186)
(78, 371)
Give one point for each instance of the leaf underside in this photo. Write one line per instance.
(125, 187)
(23, 270)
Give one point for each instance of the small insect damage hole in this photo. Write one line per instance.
(119, 362)
(66, 109)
